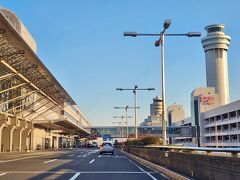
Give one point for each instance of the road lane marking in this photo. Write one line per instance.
(21, 158)
(2, 174)
(73, 172)
(142, 170)
(99, 156)
(92, 161)
(71, 155)
(80, 156)
(84, 156)
(50, 161)
(75, 176)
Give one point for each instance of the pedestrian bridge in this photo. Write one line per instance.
(119, 131)
(36, 112)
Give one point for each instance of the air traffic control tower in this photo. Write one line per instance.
(216, 45)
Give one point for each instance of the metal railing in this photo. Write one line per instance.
(233, 151)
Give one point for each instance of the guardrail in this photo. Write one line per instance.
(233, 151)
(194, 165)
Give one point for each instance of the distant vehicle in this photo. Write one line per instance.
(94, 144)
(106, 148)
(88, 145)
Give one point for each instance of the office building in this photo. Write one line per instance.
(220, 127)
(175, 113)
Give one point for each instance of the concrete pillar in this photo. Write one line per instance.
(50, 139)
(1, 136)
(57, 141)
(7, 137)
(11, 137)
(20, 139)
(17, 139)
(24, 142)
(29, 143)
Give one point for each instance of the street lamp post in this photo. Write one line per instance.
(122, 117)
(135, 89)
(126, 111)
(118, 128)
(160, 42)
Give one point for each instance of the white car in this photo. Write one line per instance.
(106, 148)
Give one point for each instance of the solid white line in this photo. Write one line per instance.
(50, 161)
(22, 158)
(2, 174)
(92, 161)
(99, 156)
(75, 176)
(82, 172)
(142, 170)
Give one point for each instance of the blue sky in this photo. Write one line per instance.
(81, 43)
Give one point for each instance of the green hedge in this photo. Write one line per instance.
(149, 140)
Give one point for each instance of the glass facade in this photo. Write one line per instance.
(172, 131)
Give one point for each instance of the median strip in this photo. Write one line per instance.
(50, 161)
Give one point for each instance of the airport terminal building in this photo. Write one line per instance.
(35, 110)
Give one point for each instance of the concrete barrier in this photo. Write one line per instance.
(165, 171)
(196, 166)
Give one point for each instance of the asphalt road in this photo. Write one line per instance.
(84, 164)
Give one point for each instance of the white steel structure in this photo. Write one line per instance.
(215, 46)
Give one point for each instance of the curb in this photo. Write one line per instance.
(165, 171)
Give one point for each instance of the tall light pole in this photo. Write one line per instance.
(135, 89)
(122, 117)
(160, 42)
(118, 127)
(126, 112)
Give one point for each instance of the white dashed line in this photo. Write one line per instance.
(84, 156)
(2, 174)
(50, 161)
(92, 161)
(80, 156)
(71, 155)
(99, 156)
(75, 176)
